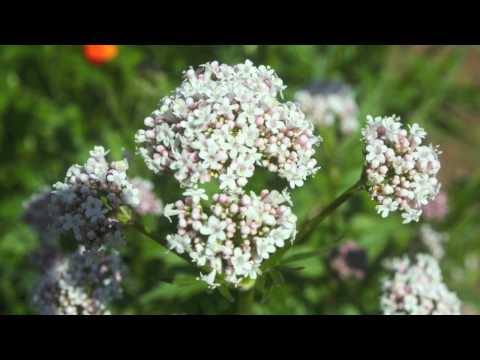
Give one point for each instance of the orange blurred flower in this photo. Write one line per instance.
(100, 54)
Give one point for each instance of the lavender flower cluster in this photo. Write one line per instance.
(222, 122)
(401, 170)
(416, 287)
(79, 285)
(326, 103)
(88, 204)
(90, 200)
(234, 234)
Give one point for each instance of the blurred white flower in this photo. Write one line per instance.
(324, 103)
(416, 287)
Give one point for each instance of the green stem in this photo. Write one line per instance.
(310, 225)
(162, 242)
(244, 302)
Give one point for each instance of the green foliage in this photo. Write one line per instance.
(54, 106)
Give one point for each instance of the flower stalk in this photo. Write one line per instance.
(244, 301)
(321, 214)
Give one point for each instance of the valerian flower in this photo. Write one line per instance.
(401, 171)
(224, 121)
(89, 201)
(80, 285)
(234, 234)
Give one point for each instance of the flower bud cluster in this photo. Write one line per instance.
(234, 233)
(401, 170)
(80, 285)
(88, 203)
(223, 122)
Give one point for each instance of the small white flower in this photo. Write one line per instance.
(209, 279)
(196, 195)
(386, 207)
(170, 211)
(214, 229)
(180, 244)
(241, 262)
(417, 132)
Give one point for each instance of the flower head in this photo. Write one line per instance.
(224, 121)
(401, 170)
(234, 234)
(416, 287)
(80, 285)
(88, 202)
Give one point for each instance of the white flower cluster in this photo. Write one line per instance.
(401, 171)
(327, 102)
(417, 288)
(433, 240)
(80, 285)
(148, 201)
(90, 199)
(234, 234)
(222, 122)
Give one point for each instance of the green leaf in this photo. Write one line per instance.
(302, 256)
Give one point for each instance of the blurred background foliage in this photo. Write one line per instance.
(55, 105)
